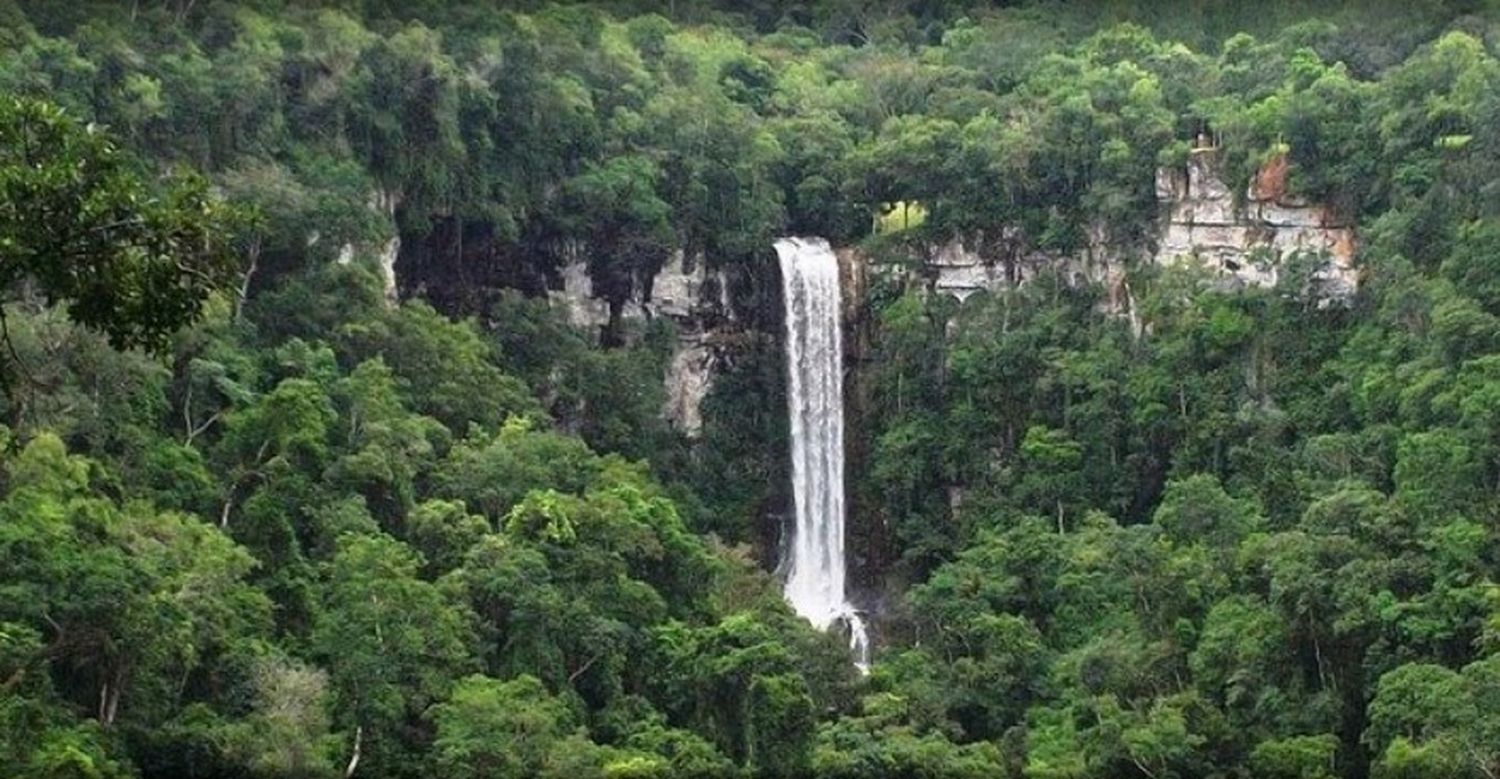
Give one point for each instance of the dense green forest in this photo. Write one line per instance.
(259, 519)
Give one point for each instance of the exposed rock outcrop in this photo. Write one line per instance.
(385, 203)
(684, 291)
(961, 268)
(1252, 241)
(576, 298)
(385, 254)
(690, 376)
(1249, 242)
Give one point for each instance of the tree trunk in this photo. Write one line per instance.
(359, 737)
(244, 290)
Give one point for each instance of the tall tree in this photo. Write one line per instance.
(82, 227)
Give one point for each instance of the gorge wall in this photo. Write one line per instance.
(1249, 240)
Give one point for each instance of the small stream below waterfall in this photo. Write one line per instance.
(815, 565)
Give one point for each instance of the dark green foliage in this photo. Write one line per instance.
(81, 228)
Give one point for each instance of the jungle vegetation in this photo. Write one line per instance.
(259, 520)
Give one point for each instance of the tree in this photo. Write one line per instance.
(736, 684)
(1299, 757)
(78, 222)
(445, 369)
(1426, 720)
(490, 729)
(286, 733)
(130, 599)
(1196, 510)
(393, 646)
(1049, 459)
(1117, 520)
(614, 208)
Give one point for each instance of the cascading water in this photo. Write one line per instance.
(815, 400)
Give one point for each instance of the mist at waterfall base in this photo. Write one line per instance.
(815, 569)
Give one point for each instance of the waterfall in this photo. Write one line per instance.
(815, 404)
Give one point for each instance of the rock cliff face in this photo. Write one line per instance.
(981, 264)
(1251, 242)
(385, 203)
(695, 301)
(1248, 241)
(684, 291)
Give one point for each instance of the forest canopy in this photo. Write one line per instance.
(302, 474)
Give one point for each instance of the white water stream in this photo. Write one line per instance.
(815, 400)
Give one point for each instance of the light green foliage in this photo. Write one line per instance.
(1197, 511)
(1426, 720)
(881, 743)
(738, 678)
(1219, 526)
(129, 597)
(492, 475)
(443, 531)
(500, 730)
(392, 643)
